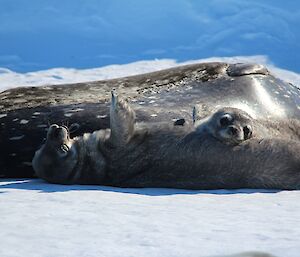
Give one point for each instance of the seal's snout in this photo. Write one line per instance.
(56, 132)
(232, 134)
(233, 130)
(235, 133)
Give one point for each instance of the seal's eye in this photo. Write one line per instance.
(247, 131)
(65, 148)
(226, 120)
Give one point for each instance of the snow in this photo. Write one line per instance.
(10, 79)
(39, 219)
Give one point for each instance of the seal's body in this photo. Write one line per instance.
(166, 95)
(163, 155)
(199, 162)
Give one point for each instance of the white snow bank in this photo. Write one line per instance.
(39, 219)
(9, 79)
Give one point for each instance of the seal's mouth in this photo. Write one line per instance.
(65, 148)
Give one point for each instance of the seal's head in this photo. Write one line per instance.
(57, 158)
(229, 125)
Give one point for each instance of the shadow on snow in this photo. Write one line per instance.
(44, 187)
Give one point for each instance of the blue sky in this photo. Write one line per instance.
(40, 34)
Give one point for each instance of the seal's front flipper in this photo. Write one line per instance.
(114, 99)
(122, 119)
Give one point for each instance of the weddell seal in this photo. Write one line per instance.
(166, 95)
(85, 159)
(132, 154)
(229, 125)
(233, 126)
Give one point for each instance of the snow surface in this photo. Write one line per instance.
(39, 219)
(9, 79)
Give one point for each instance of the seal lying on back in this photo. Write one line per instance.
(70, 161)
(86, 159)
(131, 154)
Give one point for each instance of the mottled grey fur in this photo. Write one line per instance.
(163, 155)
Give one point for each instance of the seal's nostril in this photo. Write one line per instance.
(233, 130)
